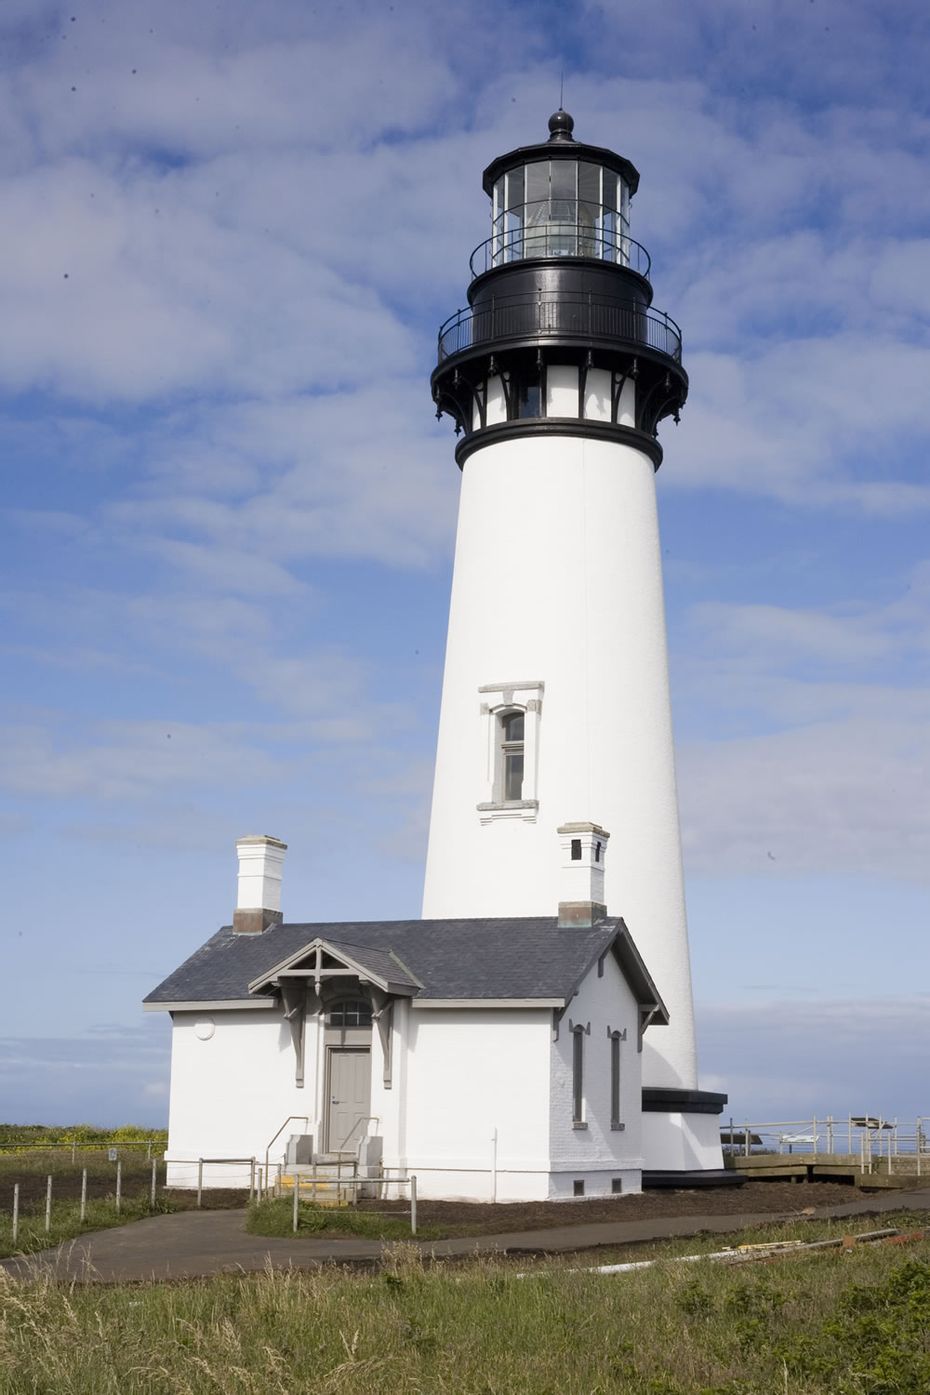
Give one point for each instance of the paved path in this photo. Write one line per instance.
(190, 1244)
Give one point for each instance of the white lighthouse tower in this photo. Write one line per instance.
(555, 701)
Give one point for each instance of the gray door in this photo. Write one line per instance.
(349, 1096)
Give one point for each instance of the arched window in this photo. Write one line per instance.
(510, 756)
(578, 1036)
(510, 714)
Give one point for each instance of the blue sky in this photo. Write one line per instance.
(229, 235)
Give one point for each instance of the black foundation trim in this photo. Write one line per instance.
(560, 426)
(658, 1100)
(706, 1177)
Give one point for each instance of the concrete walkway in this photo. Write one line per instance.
(192, 1244)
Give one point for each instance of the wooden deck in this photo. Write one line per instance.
(807, 1167)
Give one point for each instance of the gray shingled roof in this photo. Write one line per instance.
(469, 959)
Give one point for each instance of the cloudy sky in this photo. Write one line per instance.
(229, 232)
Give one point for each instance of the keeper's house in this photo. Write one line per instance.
(494, 1058)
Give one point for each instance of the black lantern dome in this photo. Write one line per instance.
(560, 283)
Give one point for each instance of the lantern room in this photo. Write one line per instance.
(560, 199)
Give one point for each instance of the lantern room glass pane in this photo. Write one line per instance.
(537, 181)
(497, 221)
(589, 211)
(559, 208)
(563, 208)
(513, 218)
(624, 256)
(564, 179)
(537, 209)
(515, 187)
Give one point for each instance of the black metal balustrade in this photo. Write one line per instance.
(584, 317)
(542, 231)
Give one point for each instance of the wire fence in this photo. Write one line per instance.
(138, 1185)
(10, 1147)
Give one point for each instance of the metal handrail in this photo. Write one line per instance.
(587, 317)
(289, 1120)
(553, 235)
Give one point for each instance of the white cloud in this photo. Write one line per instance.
(847, 796)
(123, 760)
(833, 774)
(789, 1059)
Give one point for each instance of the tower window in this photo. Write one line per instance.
(527, 398)
(512, 726)
(576, 850)
(510, 719)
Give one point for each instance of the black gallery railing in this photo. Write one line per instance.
(572, 317)
(557, 237)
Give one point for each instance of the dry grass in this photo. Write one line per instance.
(852, 1323)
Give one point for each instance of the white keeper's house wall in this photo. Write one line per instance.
(233, 1091)
(557, 589)
(232, 1086)
(596, 1153)
(470, 1072)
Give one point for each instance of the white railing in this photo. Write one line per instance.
(874, 1140)
(236, 1174)
(384, 1183)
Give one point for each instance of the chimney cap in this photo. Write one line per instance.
(583, 827)
(263, 838)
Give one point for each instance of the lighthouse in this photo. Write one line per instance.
(555, 701)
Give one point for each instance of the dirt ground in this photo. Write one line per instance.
(775, 1197)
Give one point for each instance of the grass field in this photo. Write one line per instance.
(277, 1218)
(851, 1323)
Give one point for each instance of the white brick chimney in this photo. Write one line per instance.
(581, 885)
(258, 902)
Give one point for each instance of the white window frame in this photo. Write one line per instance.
(578, 1031)
(496, 700)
